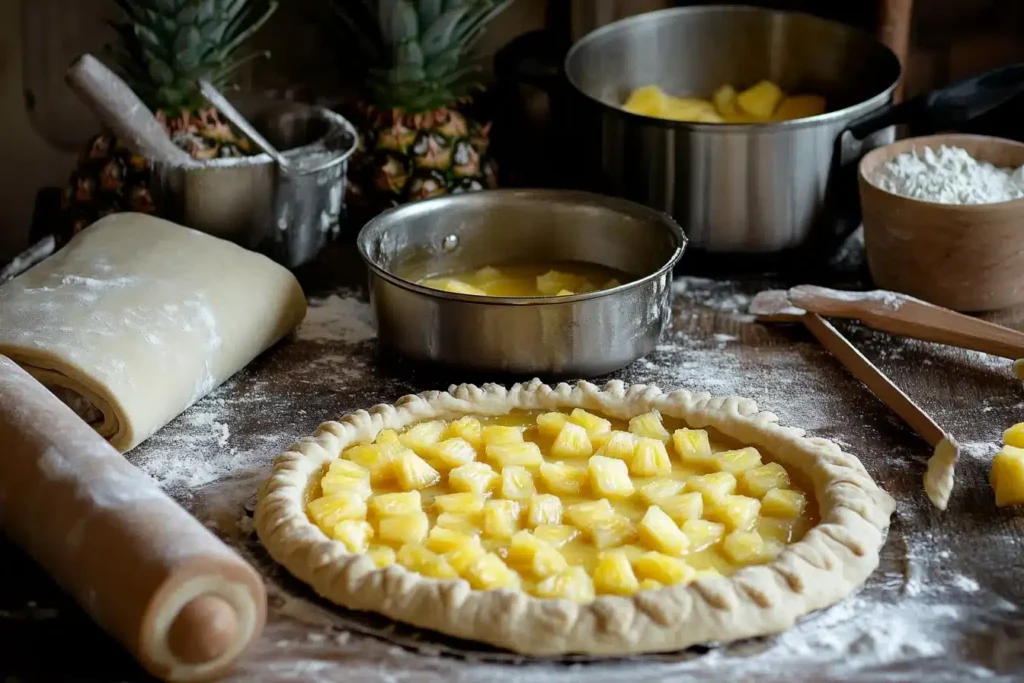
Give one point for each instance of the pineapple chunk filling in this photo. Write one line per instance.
(541, 279)
(568, 505)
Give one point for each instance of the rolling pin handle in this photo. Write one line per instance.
(205, 628)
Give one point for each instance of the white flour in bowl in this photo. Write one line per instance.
(949, 175)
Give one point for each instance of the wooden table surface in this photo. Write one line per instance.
(943, 605)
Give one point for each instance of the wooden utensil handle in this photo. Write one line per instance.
(880, 385)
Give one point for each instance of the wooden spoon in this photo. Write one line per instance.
(938, 479)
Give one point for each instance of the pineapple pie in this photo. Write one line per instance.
(574, 519)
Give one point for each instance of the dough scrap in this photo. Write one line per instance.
(939, 477)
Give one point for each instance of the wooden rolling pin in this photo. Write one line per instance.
(183, 603)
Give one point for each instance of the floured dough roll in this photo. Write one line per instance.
(137, 318)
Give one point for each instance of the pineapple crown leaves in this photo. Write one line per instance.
(167, 45)
(418, 50)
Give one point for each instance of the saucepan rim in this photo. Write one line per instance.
(623, 206)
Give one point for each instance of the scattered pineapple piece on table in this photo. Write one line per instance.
(1007, 476)
(1014, 436)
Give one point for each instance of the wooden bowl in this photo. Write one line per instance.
(963, 257)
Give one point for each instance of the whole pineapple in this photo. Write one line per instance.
(416, 139)
(163, 48)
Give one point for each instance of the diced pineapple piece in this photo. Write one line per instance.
(713, 485)
(725, 100)
(799, 107)
(419, 559)
(494, 434)
(442, 540)
(450, 453)
(473, 477)
(683, 506)
(659, 532)
(572, 442)
(552, 281)
(490, 573)
(609, 478)
(550, 424)
(461, 559)
(583, 515)
(572, 584)
(650, 458)
(420, 436)
(620, 445)
(632, 551)
(784, 503)
(382, 555)
(651, 585)
(517, 483)
(693, 447)
(460, 502)
(1006, 476)
(738, 461)
(346, 468)
(404, 503)
(1014, 436)
(375, 457)
(501, 518)
(544, 509)
(460, 287)
(563, 479)
(611, 284)
(760, 100)
(649, 425)
(485, 275)
(332, 483)
(387, 436)
(736, 512)
(702, 533)
(659, 489)
(747, 547)
(400, 529)
(413, 472)
(761, 480)
(555, 535)
(780, 530)
(650, 100)
(592, 423)
(536, 556)
(467, 523)
(524, 454)
(329, 510)
(663, 568)
(613, 574)
(611, 532)
(468, 429)
(354, 533)
(689, 109)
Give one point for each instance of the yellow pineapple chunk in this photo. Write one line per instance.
(401, 529)
(524, 454)
(1014, 436)
(468, 429)
(467, 523)
(450, 453)
(592, 423)
(760, 100)
(416, 558)
(611, 532)
(613, 574)
(663, 569)
(423, 435)
(494, 434)
(785, 503)
(583, 515)
(387, 436)
(738, 461)
(442, 540)
(693, 447)
(651, 585)
(1006, 476)
(659, 489)
(649, 100)
(544, 509)
(563, 479)
(683, 506)
(713, 485)
(329, 510)
(761, 480)
(649, 425)
(501, 518)
(382, 555)
(632, 551)
(459, 502)
(461, 559)
(346, 468)
(375, 457)
(659, 532)
(799, 107)
(473, 477)
(572, 442)
(550, 424)
(572, 584)
(517, 483)
(354, 533)
(346, 477)
(490, 573)
(486, 275)
(460, 287)
(736, 512)
(724, 100)
(555, 535)
(413, 472)
(702, 533)
(552, 281)
(536, 556)
(404, 503)
(747, 547)
(776, 529)
(564, 292)
(620, 445)
(609, 478)
(650, 458)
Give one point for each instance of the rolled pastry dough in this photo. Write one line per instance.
(137, 318)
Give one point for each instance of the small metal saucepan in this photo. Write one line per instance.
(584, 335)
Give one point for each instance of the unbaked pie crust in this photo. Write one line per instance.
(832, 560)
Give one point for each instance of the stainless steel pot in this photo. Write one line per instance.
(733, 187)
(585, 335)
